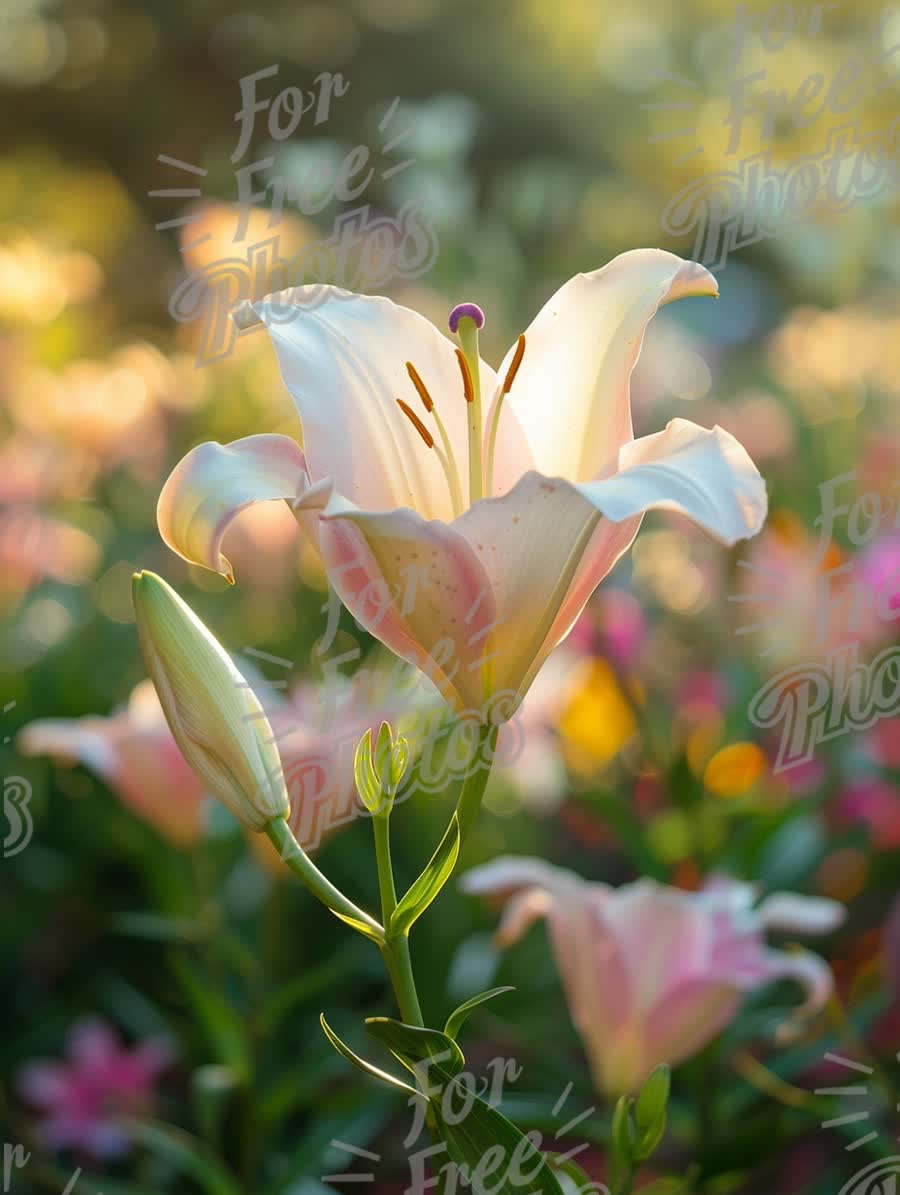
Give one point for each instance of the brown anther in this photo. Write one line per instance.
(466, 376)
(427, 400)
(514, 365)
(416, 422)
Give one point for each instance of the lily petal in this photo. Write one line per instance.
(813, 974)
(801, 914)
(343, 358)
(214, 482)
(702, 473)
(545, 545)
(418, 587)
(572, 390)
(510, 874)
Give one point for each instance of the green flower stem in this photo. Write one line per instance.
(471, 793)
(302, 866)
(395, 949)
(395, 952)
(381, 828)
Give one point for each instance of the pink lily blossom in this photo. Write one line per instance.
(466, 516)
(134, 752)
(652, 973)
(84, 1100)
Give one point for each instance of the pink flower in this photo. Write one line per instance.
(85, 1100)
(652, 973)
(134, 752)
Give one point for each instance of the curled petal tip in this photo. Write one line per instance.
(466, 311)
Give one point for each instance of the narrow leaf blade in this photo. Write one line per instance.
(456, 1018)
(367, 1067)
(436, 874)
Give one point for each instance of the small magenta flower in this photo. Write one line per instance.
(85, 1100)
(214, 715)
(653, 973)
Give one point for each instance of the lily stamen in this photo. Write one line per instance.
(448, 464)
(516, 362)
(421, 388)
(417, 423)
(497, 404)
(466, 376)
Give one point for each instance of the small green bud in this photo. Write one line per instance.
(214, 715)
(650, 1111)
(622, 1138)
(378, 771)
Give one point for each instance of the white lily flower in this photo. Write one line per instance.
(468, 533)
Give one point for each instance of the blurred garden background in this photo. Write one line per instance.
(141, 931)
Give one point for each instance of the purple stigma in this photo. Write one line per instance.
(466, 311)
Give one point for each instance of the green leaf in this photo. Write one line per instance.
(498, 1158)
(188, 1153)
(153, 927)
(572, 1178)
(456, 1018)
(368, 1067)
(410, 1043)
(436, 874)
(226, 1030)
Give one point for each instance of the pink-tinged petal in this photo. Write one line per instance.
(88, 740)
(509, 874)
(215, 482)
(547, 544)
(44, 1084)
(134, 752)
(685, 1018)
(665, 934)
(572, 390)
(593, 967)
(530, 543)
(92, 1043)
(343, 358)
(418, 587)
(701, 473)
(521, 912)
(801, 914)
(813, 974)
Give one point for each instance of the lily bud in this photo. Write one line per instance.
(214, 715)
(378, 770)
